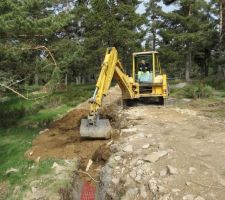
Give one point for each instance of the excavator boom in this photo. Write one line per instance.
(93, 126)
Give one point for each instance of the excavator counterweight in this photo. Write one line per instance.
(147, 81)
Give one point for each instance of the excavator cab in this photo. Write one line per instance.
(148, 74)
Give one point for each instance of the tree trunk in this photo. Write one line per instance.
(187, 69)
(153, 33)
(66, 79)
(220, 73)
(78, 80)
(189, 56)
(36, 79)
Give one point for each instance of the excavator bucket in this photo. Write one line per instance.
(102, 129)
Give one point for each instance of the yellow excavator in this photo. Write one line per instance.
(147, 81)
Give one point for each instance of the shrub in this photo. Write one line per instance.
(198, 91)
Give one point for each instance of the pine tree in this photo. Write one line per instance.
(185, 32)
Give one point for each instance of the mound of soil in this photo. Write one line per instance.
(62, 138)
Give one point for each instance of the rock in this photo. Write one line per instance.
(199, 198)
(128, 148)
(58, 168)
(145, 146)
(153, 185)
(128, 130)
(115, 180)
(155, 156)
(161, 189)
(138, 178)
(191, 170)
(163, 172)
(161, 146)
(114, 148)
(117, 158)
(41, 132)
(165, 197)
(133, 174)
(188, 183)
(140, 172)
(11, 170)
(143, 192)
(34, 189)
(180, 85)
(37, 160)
(172, 170)
(16, 190)
(176, 191)
(139, 162)
(131, 194)
(188, 197)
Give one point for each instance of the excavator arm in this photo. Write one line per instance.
(111, 68)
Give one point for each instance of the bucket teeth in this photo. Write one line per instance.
(102, 129)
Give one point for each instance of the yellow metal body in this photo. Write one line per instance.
(130, 86)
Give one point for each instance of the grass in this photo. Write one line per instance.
(208, 100)
(20, 122)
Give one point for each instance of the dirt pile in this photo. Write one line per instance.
(62, 138)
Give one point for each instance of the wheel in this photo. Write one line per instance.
(127, 103)
(162, 101)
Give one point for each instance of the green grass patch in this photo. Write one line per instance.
(20, 122)
(14, 143)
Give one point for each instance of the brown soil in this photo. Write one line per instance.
(62, 139)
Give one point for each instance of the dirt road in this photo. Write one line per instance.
(166, 153)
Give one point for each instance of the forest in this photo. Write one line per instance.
(59, 42)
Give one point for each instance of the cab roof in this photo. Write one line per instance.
(145, 53)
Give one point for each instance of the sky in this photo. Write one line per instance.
(141, 8)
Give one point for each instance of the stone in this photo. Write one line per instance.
(131, 194)
(58, 168)
(117, 158)
(11, 170)
(138, 178)
(191, 170)
(115, 180)
(140, 171)
(114, 148)
(128, 148)
(163, 172)
(16, 190)
(139, 162)
(41, 132)
(176, 191)
(153, 185)
(172, 170)
(128, 130)
(155, 156)
(188, 183)
(143, 192)
(199, 198)
(188, 197)
(145, 146)
(37, 160)
(133, 174)
(165, 197)
(34, 189)
(180, 85)
(161, 189)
